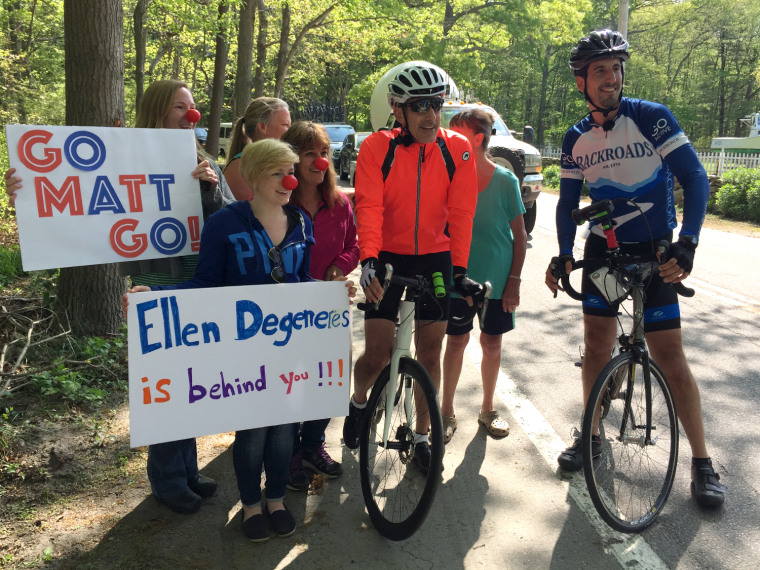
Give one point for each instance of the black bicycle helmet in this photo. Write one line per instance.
(597, 45)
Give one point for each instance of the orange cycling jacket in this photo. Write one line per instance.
(405, 195)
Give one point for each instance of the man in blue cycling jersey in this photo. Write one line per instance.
(628, 150)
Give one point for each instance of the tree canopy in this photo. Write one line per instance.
(700, 57)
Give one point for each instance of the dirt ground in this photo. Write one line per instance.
(80, 479)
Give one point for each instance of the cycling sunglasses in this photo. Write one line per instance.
(422, 105)
(278, 273)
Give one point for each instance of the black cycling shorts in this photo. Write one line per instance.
(497, 321)
(430, 308)
(661, 309)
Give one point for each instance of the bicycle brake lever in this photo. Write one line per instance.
(386, 282)
(484, 305)
(663, 249)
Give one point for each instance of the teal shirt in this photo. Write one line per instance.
(492, 240)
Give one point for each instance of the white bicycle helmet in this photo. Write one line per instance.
(417, 81)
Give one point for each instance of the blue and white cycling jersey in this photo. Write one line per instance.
(636, 159)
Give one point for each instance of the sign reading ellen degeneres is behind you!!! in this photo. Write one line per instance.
(205, 361)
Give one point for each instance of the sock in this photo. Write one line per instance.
(359, 406)
(419, 437)
(699, 461)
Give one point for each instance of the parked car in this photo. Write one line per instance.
(519, 156)
(348, 154)
(337, 133)
(201, 134)
(225, 132)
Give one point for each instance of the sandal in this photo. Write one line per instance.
(449, 427)
(493, 422)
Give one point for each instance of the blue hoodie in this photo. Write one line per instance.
(235, 250)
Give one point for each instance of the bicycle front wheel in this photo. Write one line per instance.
(397, 493)
(629, 476)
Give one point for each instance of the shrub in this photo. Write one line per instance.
(551, 176)
(739, 196)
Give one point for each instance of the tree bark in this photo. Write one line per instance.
(243, 79)
(217, 87)
(261, 49)
(88, 297)
(282, 53)
(623, 18)
(140, 49)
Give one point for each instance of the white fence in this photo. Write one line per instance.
(715, 162)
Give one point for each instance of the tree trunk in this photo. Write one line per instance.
(243, 79)
(94, 51)
(282, 53)
(217, 87)
(140, 43)
(623, 18)
(261, 49)
(722, 89)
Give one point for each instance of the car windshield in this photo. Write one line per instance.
(499, 126)
(360, 139)
(338, 133)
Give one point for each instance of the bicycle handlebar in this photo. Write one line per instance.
(423, 285)
(600, 211)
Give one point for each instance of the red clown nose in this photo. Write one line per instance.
(290, 182)
(193, 115)
(321, 163)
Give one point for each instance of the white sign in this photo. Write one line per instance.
(205, 361)
(102, 195)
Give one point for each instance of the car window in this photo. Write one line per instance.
(338, 133)
(499, 125)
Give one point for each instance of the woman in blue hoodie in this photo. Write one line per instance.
(261, 241)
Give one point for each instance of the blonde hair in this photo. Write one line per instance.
(155, 105)
(303, 136)
(261, 157)
(260, 110)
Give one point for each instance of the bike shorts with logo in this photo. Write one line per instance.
(429, 308)
(497, 321)
(661, 310)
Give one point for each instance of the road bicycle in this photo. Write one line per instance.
(399, 496)
(630, 470)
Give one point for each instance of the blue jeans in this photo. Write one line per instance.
(310, 436)
(171, 465)
(271, 447)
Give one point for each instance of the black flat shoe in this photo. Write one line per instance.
(256, 528)
(185, 503)
(205, 487)
(282, 522)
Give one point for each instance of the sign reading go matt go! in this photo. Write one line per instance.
(102, 195)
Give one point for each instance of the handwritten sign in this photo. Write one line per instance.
(206, 361)
(102, 195)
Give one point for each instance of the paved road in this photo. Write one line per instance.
(504, 504)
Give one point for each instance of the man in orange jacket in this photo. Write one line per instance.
(411, 182)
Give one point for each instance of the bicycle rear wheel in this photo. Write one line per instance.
(397, 494)
(628, 478)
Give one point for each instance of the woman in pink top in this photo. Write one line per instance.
(334, 254)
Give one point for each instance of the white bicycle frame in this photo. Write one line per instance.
(401, 348)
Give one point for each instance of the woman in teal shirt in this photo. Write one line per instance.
(497, 253)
